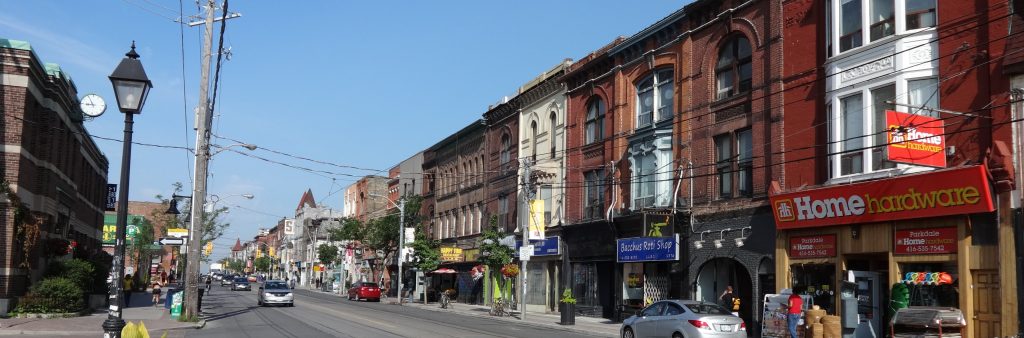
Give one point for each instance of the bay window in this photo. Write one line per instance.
(882, 17)
(644, 180)
(920, 14)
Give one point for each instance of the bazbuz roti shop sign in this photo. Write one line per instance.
(948, 192)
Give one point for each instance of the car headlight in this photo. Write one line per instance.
(267, 294)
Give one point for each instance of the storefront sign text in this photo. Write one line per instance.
(451, 254)
(915, 139)
(547, 247)
(812, 246)
(647, 249)
(948, 192)
(925, 241)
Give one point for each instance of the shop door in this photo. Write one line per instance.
(869, 303)
(986, 303)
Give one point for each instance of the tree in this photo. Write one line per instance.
(141, 247)
(235, 265)
(493, 253)
(213, 228)
(351, 229)
(327, 253)
(262, 264)
(426, 252)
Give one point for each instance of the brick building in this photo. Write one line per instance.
(154, 213)
(51, 165)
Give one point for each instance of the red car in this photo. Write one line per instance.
(364, 290)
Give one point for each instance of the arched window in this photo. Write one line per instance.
(654, 96)
(595, 120)
(551, 134)
(733, 70)
(533, 140)
(506, 152)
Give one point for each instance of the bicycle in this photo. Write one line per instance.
(445, 300)
(499, 307)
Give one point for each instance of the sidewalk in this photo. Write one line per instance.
(595, 326)
(157, 320)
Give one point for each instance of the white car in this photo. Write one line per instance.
(275, 292)
(684, 318)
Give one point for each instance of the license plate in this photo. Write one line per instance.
(725, 328)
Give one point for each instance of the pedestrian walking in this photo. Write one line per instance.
(127, 290)
(730, 301)
(156, 294)
(209, 284)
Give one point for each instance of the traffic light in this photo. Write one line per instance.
(208, 248)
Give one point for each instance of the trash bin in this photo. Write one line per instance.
(170, 297)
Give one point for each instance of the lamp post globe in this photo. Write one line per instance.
(131, 86)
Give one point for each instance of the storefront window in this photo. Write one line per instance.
(817, 281)
(934, 284)
(584, 276)
(633, 284)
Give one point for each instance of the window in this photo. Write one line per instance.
(733, 71)
(551, 134)
(595, 121)
(672, 309)
(653, 310)
(734, 164)
(883, 19)
(879, 153)
(654, 98)
(506, 152)
(503, 211)
(585, 284)
(923, 93)
(920, 14)
(593, 194)
(852, 134)
(643, 181)
(533, 140)
(545, 194)
(850, 35)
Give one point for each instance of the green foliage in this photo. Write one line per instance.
(426, 252)
(351, 229)
(80, 272)
(52, 295)
(235, 265)
(262, 264)
(492, 252)
(213, 226)
(567, 297)
(327, 253)
(102, 263)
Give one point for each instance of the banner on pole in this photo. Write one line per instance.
(537, 222)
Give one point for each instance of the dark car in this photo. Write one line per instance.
(227, 280)
(364, 290)
(240, 283)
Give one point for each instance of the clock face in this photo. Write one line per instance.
(93, 105)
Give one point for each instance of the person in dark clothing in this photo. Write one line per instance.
(730, 301)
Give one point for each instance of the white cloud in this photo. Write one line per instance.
(68, 50)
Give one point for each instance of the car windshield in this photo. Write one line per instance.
(369, 285)
(275, 285)
(241, 280)
(707, 309)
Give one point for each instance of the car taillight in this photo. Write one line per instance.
(743, 326)
(699, 324)
(362, 288)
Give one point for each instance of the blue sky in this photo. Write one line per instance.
(364, 83)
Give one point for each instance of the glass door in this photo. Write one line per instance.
(869, 303)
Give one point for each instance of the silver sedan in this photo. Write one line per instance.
(683, 318)
(275, 292)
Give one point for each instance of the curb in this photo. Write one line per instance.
(571, 328)
(201, 324)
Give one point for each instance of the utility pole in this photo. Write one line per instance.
(201, 169)
(401, 245)
(525, 229)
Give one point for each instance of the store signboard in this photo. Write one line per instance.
(111, 204)
(915, 139)
(547, 247)
(451, 254)
(647, 249)
(947, 192)
(925, 241)
(817, 246)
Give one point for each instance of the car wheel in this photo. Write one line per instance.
(292, 304)
(628, 333)
(677, 335)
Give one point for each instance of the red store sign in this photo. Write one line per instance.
(812, 246)
(915, 139)
(946, 192)
(925, 241)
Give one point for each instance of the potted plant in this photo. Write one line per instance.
(567, 307)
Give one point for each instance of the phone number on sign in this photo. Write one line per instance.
(812, 253)
(926, 248)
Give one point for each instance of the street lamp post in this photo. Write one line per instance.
(131, 86)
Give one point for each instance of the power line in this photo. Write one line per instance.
(184, 91)
(344, 166)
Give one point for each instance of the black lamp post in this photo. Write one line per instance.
(131, 86)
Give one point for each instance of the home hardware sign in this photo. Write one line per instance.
(647, 249)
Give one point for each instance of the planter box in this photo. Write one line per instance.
(567, 313)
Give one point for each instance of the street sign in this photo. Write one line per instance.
(177, 232)
(525, 252)
(171, 241)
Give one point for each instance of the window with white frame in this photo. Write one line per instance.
(733, 72)
(546, 196)
(551, 133)
(734, 164)
(860, 123)
(880, 18)
(593, 194)
(644, 179)
(654, 98)
(533, 141)
(503, 211)
(595, 120)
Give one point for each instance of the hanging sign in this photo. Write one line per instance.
(812, 246)
(289, 227)
(548, 247)
(940, 193)
(925, 241)
(111, 197)
(537, 220)
(451, 254)
(647, 249)
(915, 139)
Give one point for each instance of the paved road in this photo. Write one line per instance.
(235, 314)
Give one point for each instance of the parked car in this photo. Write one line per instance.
(240, 283)
(364, 290)
(275, 292)
(227, 280)
(683, 318)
